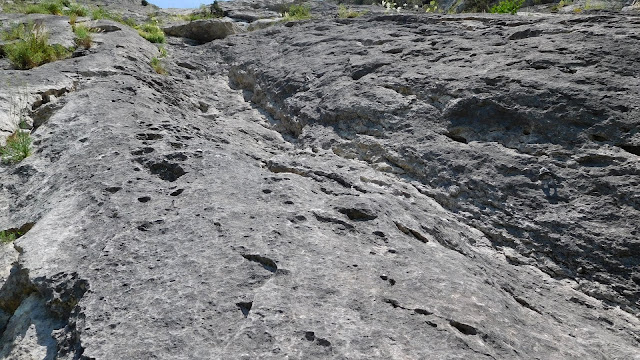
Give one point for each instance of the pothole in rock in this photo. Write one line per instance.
(165, 170)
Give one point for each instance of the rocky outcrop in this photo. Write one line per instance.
(392, 186)
(204, 30)
(475, 119)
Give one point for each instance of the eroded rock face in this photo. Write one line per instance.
(204, 30)
(386, 187)
(507, 122)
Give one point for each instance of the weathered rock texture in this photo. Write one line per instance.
(390, 187)
(204, 30)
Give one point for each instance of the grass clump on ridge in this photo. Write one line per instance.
(151, 32)
(32, 48)
(18, 147)
(48, 7)
(297, 12)
(60, 7)
(347, 13)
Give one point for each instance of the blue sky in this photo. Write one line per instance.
(180, 3)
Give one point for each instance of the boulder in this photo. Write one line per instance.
(204, 30)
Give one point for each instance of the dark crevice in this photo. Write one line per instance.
(635, 150)
(149, 136)
(311, 336)
(245, 307)
(422, 312)
(177, 192)
(266, 263)
(599, 138)
(525, 304)
(457, 138)
(411, 232)
(327, 219)
(463, 328)
(394, 303)
(337, 178)
(358, 214)
(113, 189)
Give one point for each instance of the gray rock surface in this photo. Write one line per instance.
(389, 187)
(204, 30)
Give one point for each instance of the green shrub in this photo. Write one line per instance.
(33, 50)
(17, 148)
(507, 7)
(156, 64)
(297, 12)
(151, 32)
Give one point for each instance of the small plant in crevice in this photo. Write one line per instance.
(297, 12)
(163, 51)
(17, 148)
(7, 237)
(507, 7)
(157, 66)
(83, 36)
